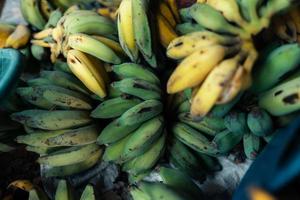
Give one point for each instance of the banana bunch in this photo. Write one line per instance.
(135, 137)
(287, 26)
(217, 52)
(175, 185)
(135, 30)
(58, 123)
(12, 36)
(167, 18)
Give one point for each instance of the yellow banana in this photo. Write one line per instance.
(173, 5)
(22, 184)
(194, 68)
(43, 34)
(111, 44)
(19, 37)
(189, 43)
(85, 71)
(167, 13)
(5, 31)
(166, 31)
(213, 86)
(125, 29)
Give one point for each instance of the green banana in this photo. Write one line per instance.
(68, 156)
(132, 70)
(180, 181)
(141, 112)
(74, 168)
(249, 9)
(62, 66)
(38, 52)
(251, 144)
(42, 150)
(282, 99)
(259, 122)
(194, 139)
(65, 80)
(188, 27)
(53, 19)
(184, 107)
(138, 194)
(114, 132)
(32, 14)
(113, 152)
(135, 178)
(88, 193)
(38, 82)
(210, 164)
(147, 160)
(54, 120)
(280, 62)
(142, 138)
(223, 109)
(226, 140)
(114, 107)
(5, 148)
(273, 7)
(236, 122)
(160, 191)
(63, 191)
(138, 88)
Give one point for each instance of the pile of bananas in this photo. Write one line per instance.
(63, 191)
(58, 123)
(136, 136)
(218, 53)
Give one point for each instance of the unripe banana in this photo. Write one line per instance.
(63, 191)
(114, 132)
(141, 112)
(209, 163)
(189, 27)
(251, 145)
(259, 122)
(223, 109)
(32, 14)
(62, 66)
(132, 70)
(138, 194)
(226, 140)
(38, 52)
(111, 44)
(114, 107)
(19, 38)
(46, 8)
(53, 18)
(236, 122)
(184, 107)
(142, 139)
(138, 88)
(88, 193)
(38, 82)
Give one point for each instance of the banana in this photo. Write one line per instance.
(64, 80)
(38, 82)
(236, 122)
(211, 19)
(165, 30)
(174, 8)
(87, 44)
(141, 112)
(179, 181)
(5, 148)
(114, 132)
(196, 67)
(194, 139)
(19, 38)
(111, 44)
(184, 107)
(91, 24)
(46, 8)
(138, 88)
(132, 70)
(126, 30)
(114, 107)
(147, 160)
(113, 153)
(188, 27)
(135, 178)
(54, 120)
(88, 193)
(63, 191)
(54, 18)
(38, 52)
(85, 70)
(209, 163)
(251, 145)
(259, 122)
(62, 66)
(226, 140)
(273, 7)
(68, 156)
(213, 85)
(230, 10)
(185, 45)
(5, 31)
(280, 62)
(223, 109)
(160, 191)
(165, 11)
(208, 125)
(32, 14)
(138, 194)
(142, 139)
(76, 168)
(249, 10)
(42, 150)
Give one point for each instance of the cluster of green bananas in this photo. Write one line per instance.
(134, 28)
(58, 123)
(217, 51)
(12, 36)
(287, 26)
(63, 191)
(135, 137)
(174, 185)
(37, 12)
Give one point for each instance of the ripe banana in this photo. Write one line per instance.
(19, 38)
(166, 31)
(259, 122)
(5, 31)
(165, 11)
